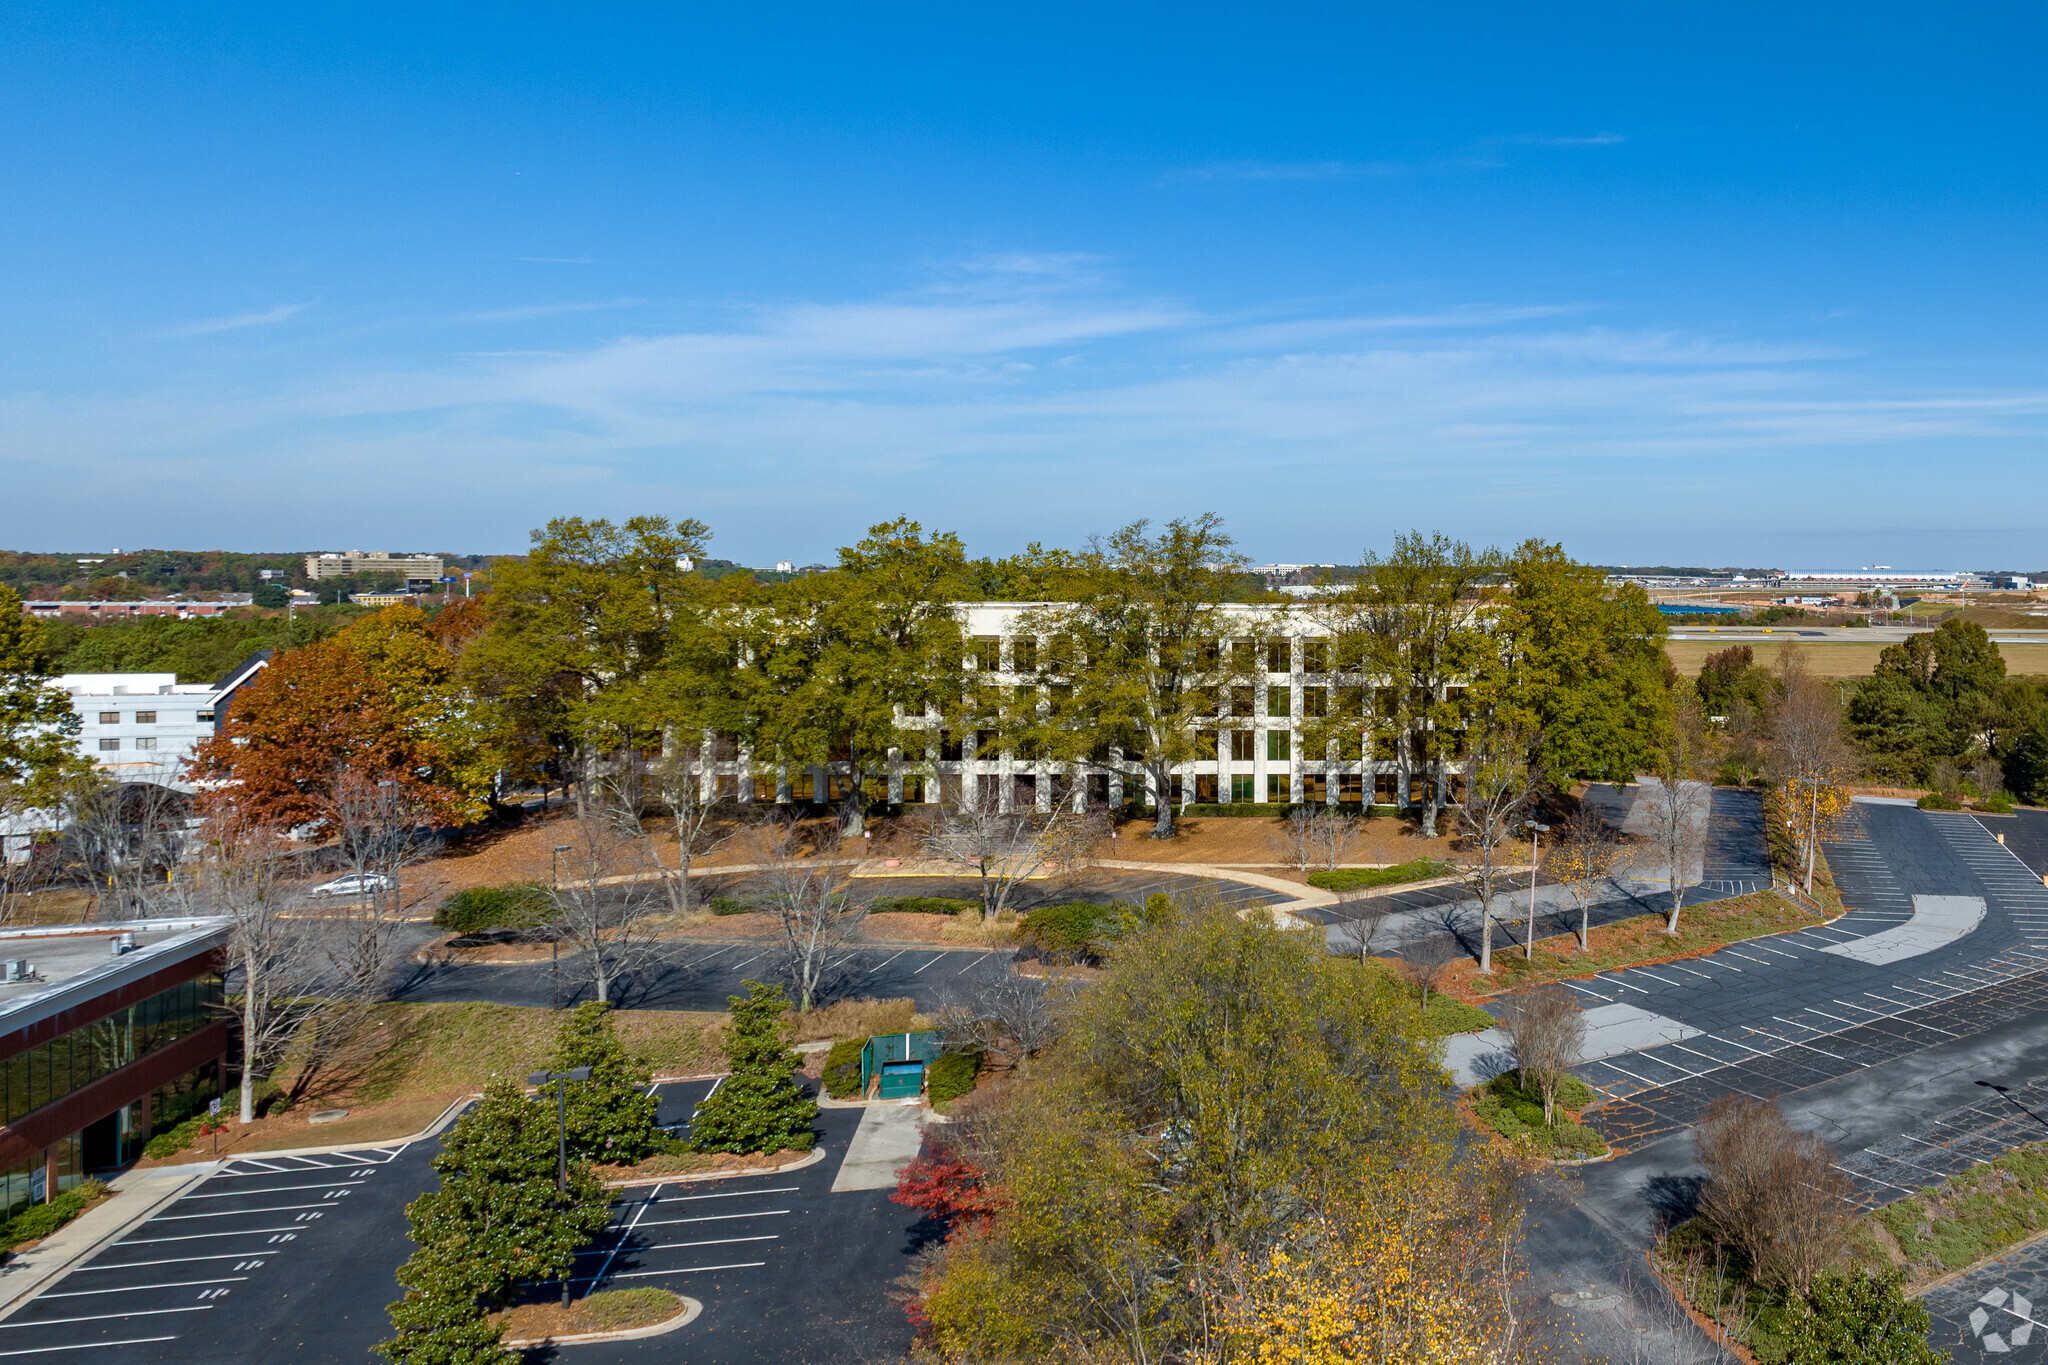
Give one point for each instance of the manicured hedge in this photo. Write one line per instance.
(842, 1068)
(40, 1220)
(1358, 878)
(952, 1076)
(1936, 801)
(924, 905)
(521, 905)
(1280, 810)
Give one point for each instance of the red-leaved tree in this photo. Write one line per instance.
(316, 714)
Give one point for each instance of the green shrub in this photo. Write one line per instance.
(924, 905)
(521, 905)
(40, 1220)
(1359, 878)
(842, 1068)
(1067, 928)
(2001, 804)
(172, 1141)
(1936, 801)
(729, 905)
(952, 1076)
(757, 1107)
(1855, 1316)
(1516, 1114)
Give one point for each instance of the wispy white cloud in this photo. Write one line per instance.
(236, 321)
(1591, 140)
(528, 312)
(1034, 386)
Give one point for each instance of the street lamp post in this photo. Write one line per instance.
(555, 935)
(560, 1081)
(1536, 833)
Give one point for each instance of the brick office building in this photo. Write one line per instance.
(107, 1033)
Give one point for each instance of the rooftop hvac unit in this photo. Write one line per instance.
(16, 969)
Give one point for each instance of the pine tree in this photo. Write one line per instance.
(757, 1107)
(611, 1115)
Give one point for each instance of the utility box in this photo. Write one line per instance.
(892, 1065)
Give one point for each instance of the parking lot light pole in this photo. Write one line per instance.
(560, 1081)
(1536, 833)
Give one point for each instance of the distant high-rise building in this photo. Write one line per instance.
(349, 563)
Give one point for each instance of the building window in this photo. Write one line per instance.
(1244, 655)
(1244, 747)
(1205, 788)
(146, 742)
(1315, 656)
(1279, 701)
(110, 717)
(205, 717)
(35, 1077)
(1241, 787)
(108, 746)
(1277, 660)
(1276, 788)
(988, 653)
(1279, 747)
(1351, 787)
(1025, 654)
(145, 717)
(1315, 701)
(1243, 701)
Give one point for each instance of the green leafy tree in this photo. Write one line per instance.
(1412, 633)
(757, 1107)
(498, 1221)
(1855, 1318)
(581, 635)
(38, 728)
(1937, 696)
(611, 1115)
(1135, 664)
(841, 668)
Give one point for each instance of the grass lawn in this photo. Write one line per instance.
(1966, 1218)
(611, 1310)
(1637, 941)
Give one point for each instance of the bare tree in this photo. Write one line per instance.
(1426, 960)
(1317, 837)
(1499, 785)
(1008, 1014)
(20, 870)
(240, 874)
(1772, 1192)
(1367, 916)
(601, 907)
(1585, 856)
(126, 835)
(382, 836)
(815, 916)
(1809, 758)
(677, 786)
(1676, 809)
(1547, 1030)
(1003, 848)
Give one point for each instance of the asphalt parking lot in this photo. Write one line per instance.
(270, 1259)
(293, 1258)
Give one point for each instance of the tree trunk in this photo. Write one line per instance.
(1812, 837)
(1585, 926)
(1486, 928)
(1162, 795)
(247, 1113)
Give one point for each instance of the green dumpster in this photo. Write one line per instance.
(892, 1065)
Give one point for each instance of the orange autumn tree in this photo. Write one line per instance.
(316, 718)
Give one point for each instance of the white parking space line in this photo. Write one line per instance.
(279, 1189)
(964, 970)
(137, 1288)
(935, 958)
(181, 1260)
(734, 1194)
(884, 962)
(85, 1345)
(235, 1213)
(713, 1218)
(688, 1270)
(1654, 977)
(1617, 981)
(206, 1236)
(108, 1317)
(274, 1170)
(716, 1242)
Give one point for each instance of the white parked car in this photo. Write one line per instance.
(355, 885)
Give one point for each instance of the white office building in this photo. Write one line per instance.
(139, 727)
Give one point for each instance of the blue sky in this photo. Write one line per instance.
(1714, 283)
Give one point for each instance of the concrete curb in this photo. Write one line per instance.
(691, 1308)
(138, 1196)
(811, 1158)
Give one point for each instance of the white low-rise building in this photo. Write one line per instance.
(139, 727)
